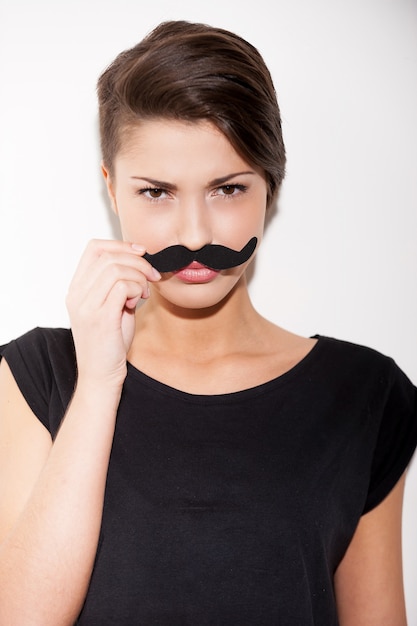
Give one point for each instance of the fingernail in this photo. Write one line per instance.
(156, 274)
(138, 248)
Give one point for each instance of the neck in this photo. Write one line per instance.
(200, 333)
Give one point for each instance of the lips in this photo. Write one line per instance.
(196, 272)
(194, 265)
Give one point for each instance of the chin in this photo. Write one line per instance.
(197, 297)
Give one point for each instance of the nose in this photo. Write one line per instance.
(194, 224)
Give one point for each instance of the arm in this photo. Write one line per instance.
(51, 508)
(22, 436)
(51, 515)
(369, 581)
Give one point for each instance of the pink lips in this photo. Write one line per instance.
(196, 273)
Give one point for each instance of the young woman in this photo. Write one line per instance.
(186, 461)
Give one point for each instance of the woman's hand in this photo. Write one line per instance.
(60, 486)
(111, 278)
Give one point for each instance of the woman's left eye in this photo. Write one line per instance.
(231, 190)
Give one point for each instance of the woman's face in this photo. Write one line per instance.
(183, 183)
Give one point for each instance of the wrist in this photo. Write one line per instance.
(98, 393)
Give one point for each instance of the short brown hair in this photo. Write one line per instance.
(191, 72)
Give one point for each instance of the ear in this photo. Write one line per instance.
(110, 187)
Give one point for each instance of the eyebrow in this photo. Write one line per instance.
(160, 184)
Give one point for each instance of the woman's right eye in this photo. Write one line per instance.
(153, 193)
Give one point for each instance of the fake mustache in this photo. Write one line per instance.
(214, 256)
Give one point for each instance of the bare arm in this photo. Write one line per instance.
(52, 506)
(369, 580)
(51, 515)
(22, 437)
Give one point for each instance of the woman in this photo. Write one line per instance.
(186, 461)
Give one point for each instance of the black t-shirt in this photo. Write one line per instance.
(234, 508)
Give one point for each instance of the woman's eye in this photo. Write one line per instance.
(231, 190)
(153, 193)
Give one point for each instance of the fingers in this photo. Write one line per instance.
(111, 278)
(112, 265)
(108, 250)
(119, 276)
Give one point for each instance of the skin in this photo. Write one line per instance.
(208, 339)
(180, 322)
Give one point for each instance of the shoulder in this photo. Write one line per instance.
(42, 352)
(38, 336)
(348, 351)
(359, 363)
(387, 401)
(366, 379)
(41, 345)
(43, 365)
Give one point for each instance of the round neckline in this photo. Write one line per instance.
(256, 390)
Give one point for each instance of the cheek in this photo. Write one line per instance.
(230, 225)
(235, 230)
(144, 228)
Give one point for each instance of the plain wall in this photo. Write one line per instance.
(340, 256)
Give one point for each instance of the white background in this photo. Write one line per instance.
(340, 256)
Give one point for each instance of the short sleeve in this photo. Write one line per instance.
(43, 364)
(397, 436)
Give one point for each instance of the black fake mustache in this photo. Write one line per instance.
(214, 256)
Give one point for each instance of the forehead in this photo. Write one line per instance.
(176, 146)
